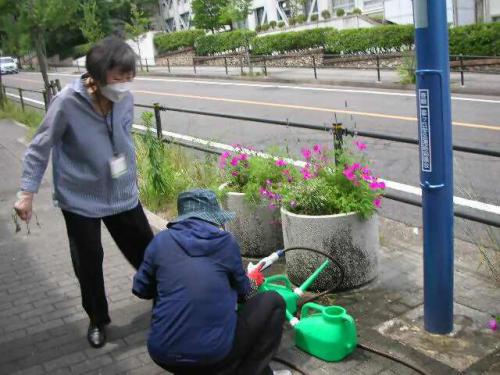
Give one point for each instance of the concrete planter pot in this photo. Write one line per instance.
(257, 228)
(352, 241)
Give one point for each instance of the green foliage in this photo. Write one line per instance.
(272, 24)
(207, 13)
(479, 40)
(138, 23)
(29, 117)
(391, 38)
(301, 18)
(90, 25)
(406, 70)
(340, 12)
(292, 21)
(290, 41)
(314, 17)
(356, 11)
(258, 28)
(323, 188)
(326, 14)
(281, 24)
(223, 42)
(166, 42)
(264, 27)
(165, 170)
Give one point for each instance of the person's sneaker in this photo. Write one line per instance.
(282, 372)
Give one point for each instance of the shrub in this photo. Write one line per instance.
(301, 18)
(356, 11)
(340, 12)
(258, 28)
(314, 17)
(272, 24)
(326, 14)
(223, 42)
(292, 21)
(406, 70)
(290, 41)
(480, 40)
(265, 27)
(166, 42)
(281, 24)
(391, 38)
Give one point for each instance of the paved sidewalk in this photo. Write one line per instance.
(42, 324)
(475, 83)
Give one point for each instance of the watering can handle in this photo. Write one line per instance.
(276, 278)
(310, 306)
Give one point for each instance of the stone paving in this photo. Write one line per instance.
(43, 326)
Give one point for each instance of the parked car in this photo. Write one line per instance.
(8, 65)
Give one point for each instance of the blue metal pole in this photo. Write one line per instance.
(436, 161)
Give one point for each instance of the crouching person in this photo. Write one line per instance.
(194, 272)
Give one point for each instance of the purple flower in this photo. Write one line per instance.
(493, 324)
(234, 161)
(306, 153)
(269, 182)
(293, 204)
(360, 145)
(281, 163)
(377, 202)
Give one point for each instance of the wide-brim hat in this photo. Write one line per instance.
(201, 204)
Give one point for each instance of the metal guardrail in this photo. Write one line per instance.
(337, 130)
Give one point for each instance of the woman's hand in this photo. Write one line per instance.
(24, 205)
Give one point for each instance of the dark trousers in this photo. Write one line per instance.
(256, 341)
(130, 231)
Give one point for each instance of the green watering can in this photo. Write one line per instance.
(328, 334)
(282, 285)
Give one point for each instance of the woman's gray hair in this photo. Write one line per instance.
(109, 53)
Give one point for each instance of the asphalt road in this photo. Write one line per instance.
(476, 121)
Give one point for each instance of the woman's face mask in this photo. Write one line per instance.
(116, 91)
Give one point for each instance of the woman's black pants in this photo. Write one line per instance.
(130, 231)
(256, 340)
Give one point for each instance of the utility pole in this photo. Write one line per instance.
(436, 161)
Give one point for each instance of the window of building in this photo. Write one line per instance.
(372, 4)
(186, 18)
(260, 16)
(347, 5)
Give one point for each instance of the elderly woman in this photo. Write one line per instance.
(88, 128)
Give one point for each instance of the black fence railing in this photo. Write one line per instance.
(336, 129)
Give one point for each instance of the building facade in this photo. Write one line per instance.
(177, 14)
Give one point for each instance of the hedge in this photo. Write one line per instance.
(290, 41)
(167, 42)
(476, 40)
(223, 42)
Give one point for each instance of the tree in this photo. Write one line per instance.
(90, 25)
(207, 13)
(137, 26)
(236, 11)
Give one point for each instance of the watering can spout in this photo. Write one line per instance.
(311, 279)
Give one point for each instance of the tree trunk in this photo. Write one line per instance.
(139, 51)
(42, 60)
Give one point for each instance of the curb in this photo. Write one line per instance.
(381, 85)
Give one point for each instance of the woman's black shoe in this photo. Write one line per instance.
(96, 335)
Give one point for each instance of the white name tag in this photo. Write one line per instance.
(118, 166)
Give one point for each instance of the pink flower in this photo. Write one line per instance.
(348, 173)
(356, 166)
(377, 185)
(360, 145)
(271, 206)
(293, 204)
(234, 173)
(317, 149)
(263, 191)
(225, 155)
(377, 202)
(269, 182)
(306, 173)
(306, 153)
(281, 163)
(493, 324)
(234, 161)
(243, 157)
(367, 177)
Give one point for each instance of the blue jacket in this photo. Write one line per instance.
(194, 270)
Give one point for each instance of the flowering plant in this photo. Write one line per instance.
(322, 187)
(245, 171)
